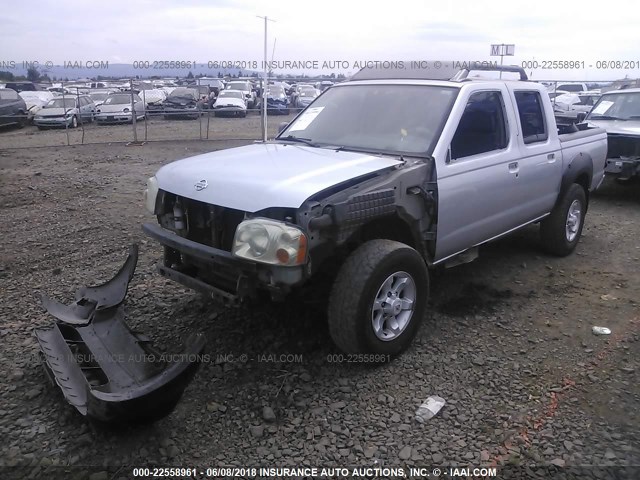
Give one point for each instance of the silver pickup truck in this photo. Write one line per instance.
(379, 179)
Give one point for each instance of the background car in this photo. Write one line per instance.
(247, 90)
(152, 97)
(304, 95)
(67, 111)
(277, 100)
(230, 103)
(99, 96)
(13, 109)
(183, 102)
(119, 108)
(23, 86)
(215, 84)
(35, 100)
(323, 85)
(579, 102)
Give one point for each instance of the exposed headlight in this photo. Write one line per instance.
(269, 241)
(126, 110)
(150, 194)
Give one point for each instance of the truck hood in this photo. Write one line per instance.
(259, 176)
(619, 127)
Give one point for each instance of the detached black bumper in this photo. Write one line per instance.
(105, 370)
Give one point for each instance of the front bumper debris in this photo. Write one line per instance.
(105, 370)
(623, 167)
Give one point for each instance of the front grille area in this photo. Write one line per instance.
(211, 225)
(623, 146)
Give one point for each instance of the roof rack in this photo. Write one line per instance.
(430, 70)
(463, 74)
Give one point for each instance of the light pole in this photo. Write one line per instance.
(263, 102)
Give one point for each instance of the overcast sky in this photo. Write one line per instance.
(213, 30)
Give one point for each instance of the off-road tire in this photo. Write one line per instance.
(553, 229)
(355, 289)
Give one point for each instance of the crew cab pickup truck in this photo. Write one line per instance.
(383, 176)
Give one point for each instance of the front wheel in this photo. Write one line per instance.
(74, 122)
(562, 229)
(379, 299)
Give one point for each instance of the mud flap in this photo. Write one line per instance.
(105, 370)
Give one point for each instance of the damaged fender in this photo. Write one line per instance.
(105, 370)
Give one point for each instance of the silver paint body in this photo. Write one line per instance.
(480, 197)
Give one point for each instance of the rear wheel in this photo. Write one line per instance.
(379, 299)
(562, 229)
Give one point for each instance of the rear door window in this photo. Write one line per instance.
(532, 122)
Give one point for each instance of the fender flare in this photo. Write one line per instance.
(580, 165)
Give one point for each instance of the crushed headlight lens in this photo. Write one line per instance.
(270, 241)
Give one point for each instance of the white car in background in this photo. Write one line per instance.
(119, 108)
(150, 94)
(247, 90)
(35, 101)
(99, 96)
(576, 102)
(69, 111)
(230, 103)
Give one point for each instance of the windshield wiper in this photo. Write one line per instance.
(306, 141)
(604, 117)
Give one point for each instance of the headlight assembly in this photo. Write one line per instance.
(269, 241)
(150, 195)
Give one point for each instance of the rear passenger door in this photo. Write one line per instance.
(477, 178)
(540, 163)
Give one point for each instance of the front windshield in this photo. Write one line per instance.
(617, 106)
(275, 92)
(308, 92)
(231, 94)
(62, 103)
(569, 87)
(401, 119)
(118, 100)
(238, 86)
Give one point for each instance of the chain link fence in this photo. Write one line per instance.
(150, 112)
(156, 113)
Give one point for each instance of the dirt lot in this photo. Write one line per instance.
(508, 341)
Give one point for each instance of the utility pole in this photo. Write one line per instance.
(263, 102)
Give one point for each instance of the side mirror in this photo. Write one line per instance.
(581, 116)
(281, 127)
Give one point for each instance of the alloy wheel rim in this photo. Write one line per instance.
(393, 306)
(574, 218)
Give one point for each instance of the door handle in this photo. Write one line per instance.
(551, 156)
(513, 167)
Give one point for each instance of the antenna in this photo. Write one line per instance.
(264, 84)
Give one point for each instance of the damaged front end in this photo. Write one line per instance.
(105, 370)
(623, 156)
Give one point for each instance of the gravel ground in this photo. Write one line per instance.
(508, 341)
